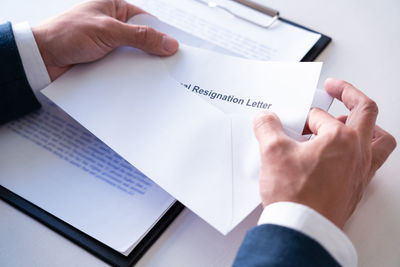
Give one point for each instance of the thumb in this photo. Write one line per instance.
(145, 38)
(268, 130)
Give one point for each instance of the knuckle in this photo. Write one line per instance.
(109, 5)
(142, 33)
(343, 83)
(370, 107)
(264, 119)
(313, 112)
(104, 25)
(349, 132)
(274, 145)
(146, 36)
(107, 2)
(393, 142)
(344, 135)
(336, 131)
(101, 30)
(346, 85)
(348, 136)
(105, 22)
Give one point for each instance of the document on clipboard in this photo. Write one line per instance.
(89, 174)
(238, 28)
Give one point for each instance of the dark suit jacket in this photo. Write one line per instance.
(265, 245)
(273, 245)
(16, 96)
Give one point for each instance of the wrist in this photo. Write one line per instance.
(43, 38)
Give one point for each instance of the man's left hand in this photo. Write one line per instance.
(91, 30)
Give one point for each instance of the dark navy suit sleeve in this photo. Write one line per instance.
(273, 245)
(16, 95)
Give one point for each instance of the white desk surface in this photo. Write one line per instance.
(364, 51)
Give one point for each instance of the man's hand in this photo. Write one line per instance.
(91, 30)
(330, 172)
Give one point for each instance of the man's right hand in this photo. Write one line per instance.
(330, 172)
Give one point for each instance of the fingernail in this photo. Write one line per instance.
(169, 44)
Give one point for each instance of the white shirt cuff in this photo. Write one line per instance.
(34, 67)
(309, 222)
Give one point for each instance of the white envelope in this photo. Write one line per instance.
(204, 157)
(197, 58)
(288, 87)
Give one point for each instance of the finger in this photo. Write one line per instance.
(268, 129)
(145, 38)
(342, 118)
(320, 121)
(306, 130)
(382, 146)
(124, 10)
(363, 110)
(132, 10)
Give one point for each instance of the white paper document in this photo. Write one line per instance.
(321, 98)
(50, 160)
(281, 42)
(198, 148)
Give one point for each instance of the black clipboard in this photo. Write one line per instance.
(101, 250)
(318, 47)
(87, 242)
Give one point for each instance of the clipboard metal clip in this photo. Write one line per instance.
(263, 9)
